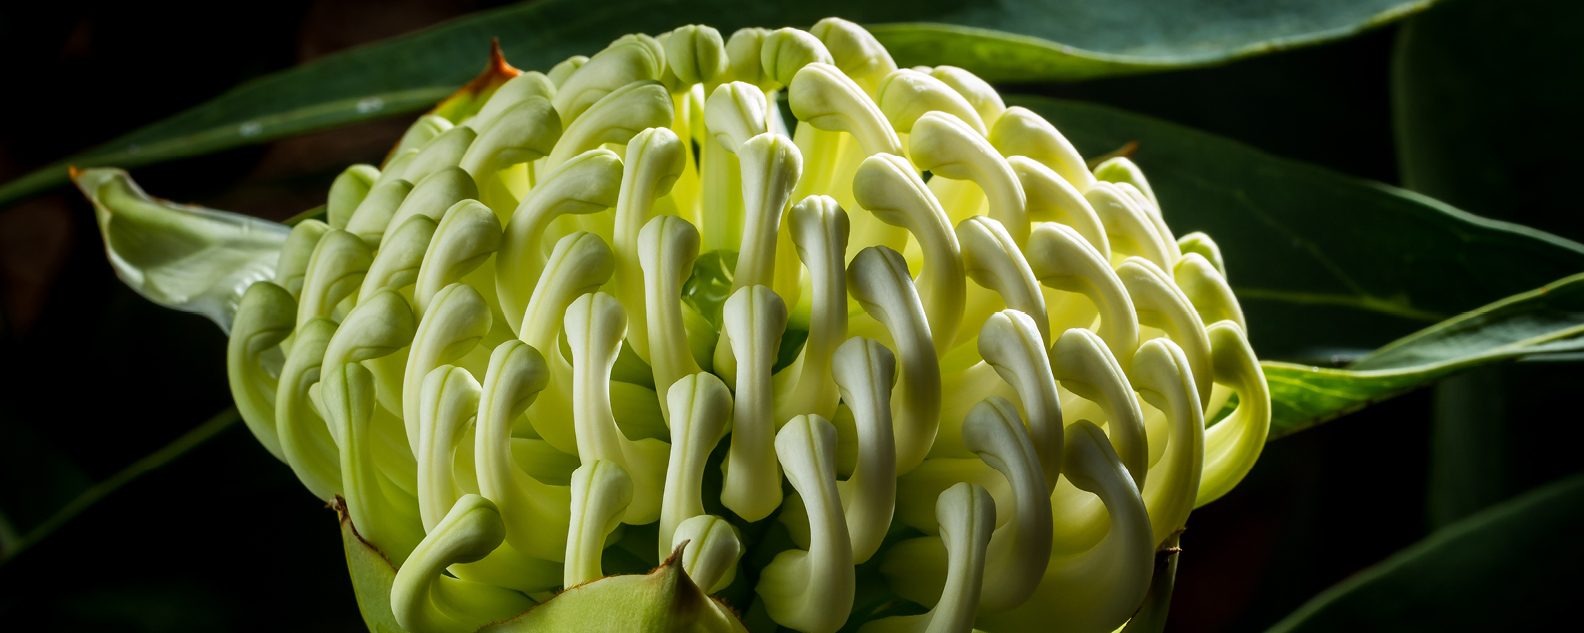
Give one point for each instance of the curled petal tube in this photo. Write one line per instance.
(906, 95)
(1011, 343)
(425, 600)
(771, 166)
(1052, 199)
(1062, 259)
(1160, 304)
(383, 514)
(447, 406)
(1081, 362)
(394, 166)
(888, 187)
(734, 113)
(1198, 242)
(1021, 132)
(1099, 589)
(294, 255)
(947, 147)
(335, 271)
(425, 129)
(374, 214)
(433, 195)
(524, 132)
(1129, 228)
(467, 235)
(304, 438)
(1021, 547)
(995, 263)
(400, 256)
(1122, 169)
(628, 60)
(695, 53)
(667, 247)
(819, 230)
(1234, 444)
(536, 514)
(976, 91)
(1152, 210)
(445, 150)
(827, 99)
(519, 90)
(561, 72)
(742, 58)
(754, 318)
(580, 264)
(811, 590)
(347, 192)
(967, 516)
(1162, 376)
(700, 408)
(786, 51)
(864, 370)
(264, 318)
(615, 118)
(588, 183)
(856, 52)
(712, 550)
(878, 279)
(457, 319)
(601, 492)
(595, 326)
(1207, 289)
(375, 328)
(655, 158)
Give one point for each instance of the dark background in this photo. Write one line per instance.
(224, 538)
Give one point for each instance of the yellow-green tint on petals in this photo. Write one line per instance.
(711, 551)
(424, 600)
(811, 590)
(878, 278)
(601, 492)
(700, 407)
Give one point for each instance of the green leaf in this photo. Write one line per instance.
(1325, 265)
(1511, 567)
(1013, 40)
(372, 576)
(179, 256)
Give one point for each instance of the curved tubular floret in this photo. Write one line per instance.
(771, 166)
(996, 263)
(616, 118)
(1152, 211)
(1062, 259)
(1081, 362)
(1160, 304)
(393, 167)
(425, 129)
(907, 94)
(1052, 199)
(601, 492)
(335, 271)
(878, 279)
(1021, 132)
(467, 235)
(589, 183)
(580, 264)
(753, 318)
(1011, 343)
(742, 58)
(1199, 242)
(1097, 590)
(700, 406)
(434, 195)
(264, 318)
(811, 590)
(294, 255)
(655, 158)
(376, 327)
(445, 150)
(1120, 169)
(1020, 548)
(1207, 289)
(536, 514)
(946, 146)
(516, 91)
(524, 132)
(1234, 444)
(425, 600)
(373, 215)
(864, 369)
(1128, 227)
(976, 91)
(695, 53)
(304, 438)
(667, 246)
(457, 319)
(824, 97)
(562, 71)
(888, 187)
(628, 60)
(856, 52)
(400, 256)
(733, 113)
(785, 51)
(347, 192)
(385, 515)
(819, 230)
(1162, 375)
(595, 326)
(447, 406)
(967, 516)
(712, 550)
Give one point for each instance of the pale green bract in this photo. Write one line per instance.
(939, 346)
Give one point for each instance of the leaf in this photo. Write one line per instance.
(180, 256)
(1013, 40)
(1511, 567)
(1325, 265)
(372, 575)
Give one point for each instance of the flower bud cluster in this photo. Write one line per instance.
(916, 329)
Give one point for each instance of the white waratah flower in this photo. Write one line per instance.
(913, 358)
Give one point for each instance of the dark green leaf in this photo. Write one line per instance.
(1511, 567)
(1013, 40)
